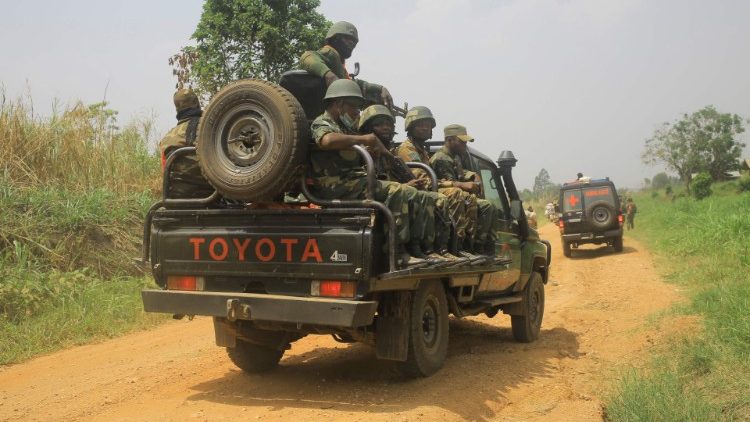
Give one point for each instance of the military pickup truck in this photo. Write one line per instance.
(270, 272)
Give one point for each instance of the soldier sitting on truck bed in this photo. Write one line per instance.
(328, 62)
(185, 178)
(338, 172)
(431, 213)
(419, 123)
(449, 169)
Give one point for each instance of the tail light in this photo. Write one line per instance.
(332, 288)
(185, 282)
(620, 219)
(561, 224)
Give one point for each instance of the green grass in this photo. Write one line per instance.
(74, 188)
(704, 246)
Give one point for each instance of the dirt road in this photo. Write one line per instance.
(596, 322)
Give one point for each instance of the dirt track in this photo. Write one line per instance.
(596, 321)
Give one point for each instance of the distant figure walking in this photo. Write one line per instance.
(630, 210)
(531, 217)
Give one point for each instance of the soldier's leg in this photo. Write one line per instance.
(457, 210)
(442, 226)
(392, 196)
(471, 219)
(485, 230)
(421, 217)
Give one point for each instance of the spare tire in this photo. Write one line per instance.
(600, 215)
(252, 140)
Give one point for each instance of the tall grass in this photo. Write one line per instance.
(705, 247)
(74, 188)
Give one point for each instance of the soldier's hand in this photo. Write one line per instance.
(415, 183)
(385, 96)
(330, 77)
(373, 143)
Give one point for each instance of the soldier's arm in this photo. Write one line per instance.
(314, 63)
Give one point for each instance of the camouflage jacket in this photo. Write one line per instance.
(410, 152)
(327, 58)
(333, 166)
(186, 178)
(449, 168)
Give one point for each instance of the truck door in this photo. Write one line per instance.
(572, 210)
(507, 242)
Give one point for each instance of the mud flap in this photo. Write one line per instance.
(226, 332)
(392, 327)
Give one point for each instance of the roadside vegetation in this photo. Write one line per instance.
(73, 191)
(703, 245)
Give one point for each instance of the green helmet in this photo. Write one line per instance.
(343, 28)
(371, 112)
(343, 88)
(185, 98)
(418, 113)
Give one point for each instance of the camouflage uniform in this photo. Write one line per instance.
(341, 174)
(482, 213)
(451, 201)
(328, 59)
(185, 178)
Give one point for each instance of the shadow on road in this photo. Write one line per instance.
(483, 364)
(586, 252)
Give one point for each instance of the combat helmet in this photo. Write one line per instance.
(342, 28)
(184, 99)
(418, 113)
(343, 88)
(370, 113)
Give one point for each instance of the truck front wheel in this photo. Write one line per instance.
(253, 358)
(566, 248)
(428, 331)
(526, 327)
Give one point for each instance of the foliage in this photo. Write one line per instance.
(702, 186)
(660, 180)
(74, 188)
(744, 183)
(702, 141)
(668, 190)
(705, 247)
(544, 190)
(248, 39)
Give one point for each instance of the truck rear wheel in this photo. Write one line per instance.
(526, 327)
(252, 139)
(617, 244)
(428, 331)
(253, 358)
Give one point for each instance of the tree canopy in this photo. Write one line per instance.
(238, 39)
(543, 188)
(702, 141)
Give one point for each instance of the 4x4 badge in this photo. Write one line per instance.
(339, 257)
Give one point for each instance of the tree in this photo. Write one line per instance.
(238, 39)
(543, 188)
(659, 180)
(702, 141)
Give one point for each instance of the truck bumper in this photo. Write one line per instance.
(262, 307)
(592, 237)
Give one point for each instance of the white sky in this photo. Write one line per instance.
(568, 85)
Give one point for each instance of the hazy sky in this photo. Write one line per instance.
(568, 85)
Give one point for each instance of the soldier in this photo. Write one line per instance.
(449, 169)
(419, 123)
(630, 210)
(328, 62)
(185, 179)
(531, 217)
(435, 232)
(338, 172)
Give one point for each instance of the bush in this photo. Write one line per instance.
(744, 183)
(702, 186)
(668, 190)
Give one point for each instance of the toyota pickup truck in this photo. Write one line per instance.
(270, 273)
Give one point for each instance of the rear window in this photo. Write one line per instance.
(572, 200)
(599, 193)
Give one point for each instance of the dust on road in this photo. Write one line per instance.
(596, 322)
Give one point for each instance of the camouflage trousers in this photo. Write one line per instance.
(462, 210)
(486, 216)
(186, 180)
(391, 194)
(421, 216)
(437, 235)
